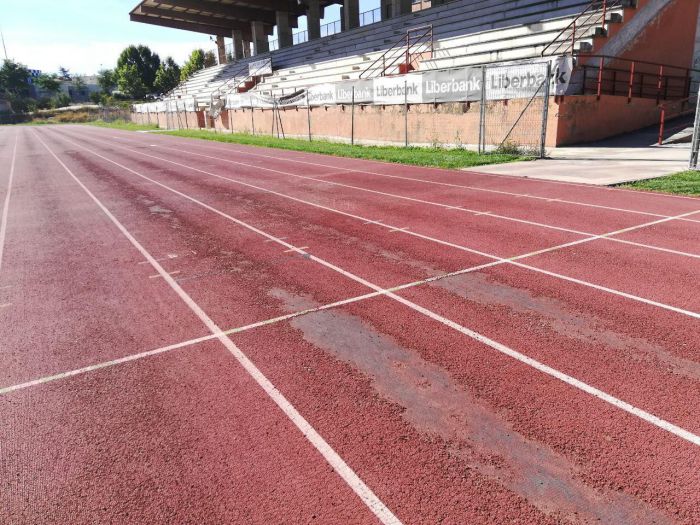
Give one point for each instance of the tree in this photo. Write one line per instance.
(193, 64)
(80, 85)
(107, 81)
(131, 82)
(209, 59)
(14, 84)
(61, 100)
(167, 76)
(143, 61)
(49, 83)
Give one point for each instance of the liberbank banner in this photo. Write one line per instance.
(465, 84)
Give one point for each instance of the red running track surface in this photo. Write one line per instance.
(195, 332)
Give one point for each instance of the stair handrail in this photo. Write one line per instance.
(405, 45)
(597, 8)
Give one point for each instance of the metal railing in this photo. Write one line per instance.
(300, 37)
(407, 51)
(370, 17)
(592, 20)
(607, 75)
(330, 28)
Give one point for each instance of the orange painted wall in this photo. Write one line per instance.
(670, 37)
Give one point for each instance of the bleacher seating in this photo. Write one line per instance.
(465, 32)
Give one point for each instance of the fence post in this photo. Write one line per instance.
(482, 114)
(545, 109)
(405, 113)
(352, 118)
(695, 145)
(308, 113)
(252, 117)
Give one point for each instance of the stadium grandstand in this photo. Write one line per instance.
(435, 71)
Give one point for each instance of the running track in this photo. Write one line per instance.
(194, 332)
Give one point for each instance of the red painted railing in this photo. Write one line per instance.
(584, 26)
(407, 50)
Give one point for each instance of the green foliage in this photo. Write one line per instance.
(131, 82)
(209, 59)
(14, 85)
(123, 124)
(14, 79)
(107, 81)
(49, 83)
(167, 76)
(193, 64)
(61, 100)
(683, 183)
(136, 71)
(439, 157)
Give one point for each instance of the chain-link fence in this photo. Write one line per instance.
(487, 108)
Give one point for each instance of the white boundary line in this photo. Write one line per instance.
(464, 186)
(572, 381)
(451, 207)
(237, 330)
(457, 171)
(380, 510)
(6, 205)
(381, 224)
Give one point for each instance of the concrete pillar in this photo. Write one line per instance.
(237, 37)
(284, 30)
(351, 14)
(221, 49)
(385, 9)
(400, 7)
(260, 44)
(313, 19)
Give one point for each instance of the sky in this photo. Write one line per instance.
(85, 36)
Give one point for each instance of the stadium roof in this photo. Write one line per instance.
(214, 17)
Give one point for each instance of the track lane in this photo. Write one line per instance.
(579, 273)
(283, 378)
(184, 437)
(65, 310)
(625, 201)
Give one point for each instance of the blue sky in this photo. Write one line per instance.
(85, 36)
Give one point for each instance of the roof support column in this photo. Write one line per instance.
(221, 49)
(385, 9)
(260, 44)
(284, 30)
(351, 14)
(400, 7)
(313, 19)
(237, 37)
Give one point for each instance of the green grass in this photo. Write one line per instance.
(683, 183)
(122, 124)
(437, 157)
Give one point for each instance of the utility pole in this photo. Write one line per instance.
(2, 37)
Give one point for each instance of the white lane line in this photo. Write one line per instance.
(572, 381)
(6, 205)
(404, 229)
(474, 188)
(157, 275)
(475, 213)
(105, 364)
(380, 510)
(166, 258)
(231, 331)
(299, 249)
(626, 295)
(231, 147)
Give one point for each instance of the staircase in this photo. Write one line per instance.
(405, 55)
(595, 22)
